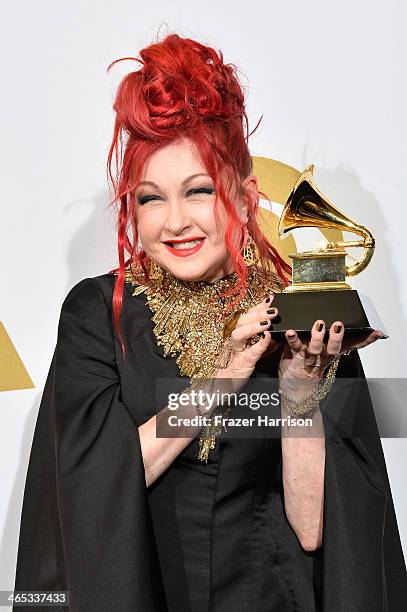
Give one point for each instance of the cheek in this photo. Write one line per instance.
(208, 223)
(148, 228)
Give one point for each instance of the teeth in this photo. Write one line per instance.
(186, 245)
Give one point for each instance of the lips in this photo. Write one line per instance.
(187, 251)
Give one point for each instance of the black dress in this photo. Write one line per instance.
(204, 537)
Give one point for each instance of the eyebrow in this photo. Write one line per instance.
(184, 182)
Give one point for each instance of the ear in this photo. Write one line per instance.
(250, 185)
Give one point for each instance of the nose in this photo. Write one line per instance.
(177, 218)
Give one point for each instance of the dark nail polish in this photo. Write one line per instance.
(384, 337)
(261, 334)
(271, 311)
(263, 322)
(320, 327)
(267, 299)
(337, 328)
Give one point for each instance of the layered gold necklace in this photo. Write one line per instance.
(189, 315)
(190, 320)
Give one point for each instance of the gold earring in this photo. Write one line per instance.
(249, 252)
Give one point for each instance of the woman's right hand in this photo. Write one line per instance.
(242, 363)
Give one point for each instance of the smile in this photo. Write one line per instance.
(183, 249)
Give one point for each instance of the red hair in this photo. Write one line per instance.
(184, 90)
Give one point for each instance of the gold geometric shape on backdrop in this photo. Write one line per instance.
(13, 374)
(268, 223)
(276, 180)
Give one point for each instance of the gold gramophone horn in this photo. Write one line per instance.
(306, 206)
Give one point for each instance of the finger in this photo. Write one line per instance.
(257, 322)
(244, 331)
(316, 344)
(336, 333)
(269, 297)
(378, 334)
(252, 353)
(260, 315)
(262, 347)
(265, 303)
(372, 337)
(254, 312)
(257, 349)
(293, 340)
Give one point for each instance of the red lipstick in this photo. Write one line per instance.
(185, 252)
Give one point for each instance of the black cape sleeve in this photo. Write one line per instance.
(360, 565)
(85, 524)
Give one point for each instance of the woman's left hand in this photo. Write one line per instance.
(309, 359)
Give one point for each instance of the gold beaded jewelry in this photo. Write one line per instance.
(155, 271)
(189, 315)
(310, 404)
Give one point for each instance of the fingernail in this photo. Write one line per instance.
(261, 334)
(384, 337)
(267, 299)
(264, 322)
(272, 311)
(337, 328)
(320, 327)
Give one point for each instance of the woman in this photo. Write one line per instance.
(125, 519)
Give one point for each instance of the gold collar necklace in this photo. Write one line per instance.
(189, 322)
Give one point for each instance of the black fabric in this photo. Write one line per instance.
(204, 537)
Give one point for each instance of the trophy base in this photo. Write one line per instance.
(300, 310)
(321, 286)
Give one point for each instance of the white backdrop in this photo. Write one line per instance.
(329, 78)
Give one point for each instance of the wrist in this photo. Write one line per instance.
(301, 396)
(231, 379)
(297, 388)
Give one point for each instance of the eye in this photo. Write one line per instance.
(208, 190)
(144, 199)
